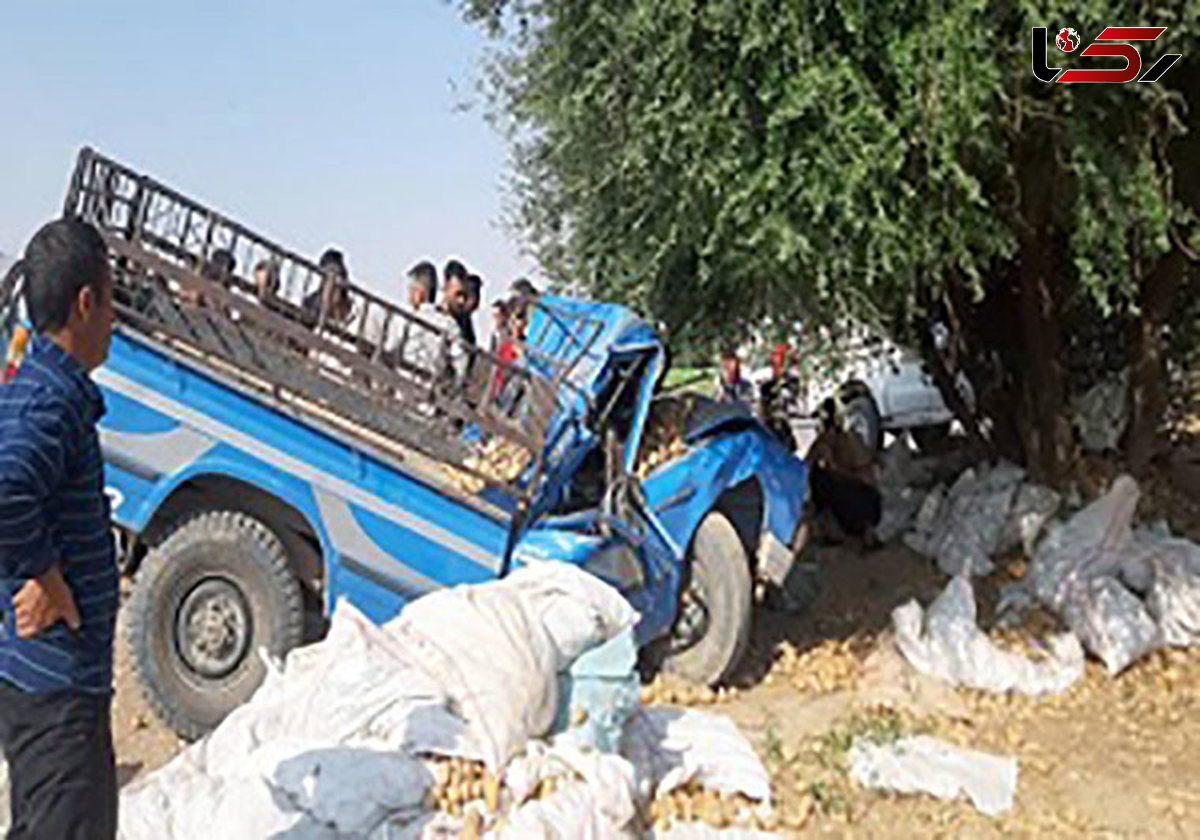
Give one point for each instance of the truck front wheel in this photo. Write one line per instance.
(213, 593)
(716, 603)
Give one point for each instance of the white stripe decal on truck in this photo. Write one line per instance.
(289, 464)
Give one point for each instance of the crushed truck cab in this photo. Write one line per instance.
(265, 459)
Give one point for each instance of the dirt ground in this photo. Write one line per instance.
(142, 742)
(1113, 757)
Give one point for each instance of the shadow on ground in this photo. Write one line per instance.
(858, 593)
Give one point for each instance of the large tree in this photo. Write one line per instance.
(718, 161)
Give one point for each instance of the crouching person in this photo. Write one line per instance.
(842, 480)
(58, 573)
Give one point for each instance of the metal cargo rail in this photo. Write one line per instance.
(356, 374)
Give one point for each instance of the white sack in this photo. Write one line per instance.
(496, 649)
(1102, 413)
(359, 685)
(926, 765)
(1111, 622)
(599, 805)
(1174, 598)
(470, 671)
(1092, 543)
(1033, 507)
(671, 747)
(610, 776)
(945, 642)
(965, 527)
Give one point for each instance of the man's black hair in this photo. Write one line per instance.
(454, 270)
(223, 259)
(62, 258)
(522, 286)
(332, 259)
(220, 265)
(729, 353)
(474, 283)
(425, 274)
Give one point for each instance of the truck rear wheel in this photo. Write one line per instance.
(213, 593)
(716, 604)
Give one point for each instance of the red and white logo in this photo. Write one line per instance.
(1067, 40)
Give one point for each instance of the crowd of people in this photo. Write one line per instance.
(435, 309)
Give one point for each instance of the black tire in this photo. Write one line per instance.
(930, 439)
(226, 567)
(861, 416)
(719, 579)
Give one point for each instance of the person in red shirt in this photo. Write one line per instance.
(514, 315)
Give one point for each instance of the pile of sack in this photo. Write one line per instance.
(986, 512)
(1121, 591)
(443, 723)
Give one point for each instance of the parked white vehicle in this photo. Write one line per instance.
(883, 388)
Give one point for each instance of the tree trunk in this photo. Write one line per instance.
(945, 374)
(1043, 391)
(1148, 370)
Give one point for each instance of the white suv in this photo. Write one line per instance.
(883, 388)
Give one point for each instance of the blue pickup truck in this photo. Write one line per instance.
(269, 451)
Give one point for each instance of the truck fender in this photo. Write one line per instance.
(682, 492)
(298, 498)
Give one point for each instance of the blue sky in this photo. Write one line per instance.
(314, 123)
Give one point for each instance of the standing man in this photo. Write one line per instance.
(422, 286)
(732, 387)
(58, 572)
(266, 280)
(780, 396)
(436, 352)
(456, 275)
(331, 303)
(521, 286)
(466, 321)
(421, 299)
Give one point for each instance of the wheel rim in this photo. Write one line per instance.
(694, 618)
(212, 628)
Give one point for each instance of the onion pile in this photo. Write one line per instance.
(499, 460)
(662, 440)
(459, 782)
(693, 803)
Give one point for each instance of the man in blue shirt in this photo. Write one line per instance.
(58, 574)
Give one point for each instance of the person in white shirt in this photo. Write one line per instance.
(421, 299)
